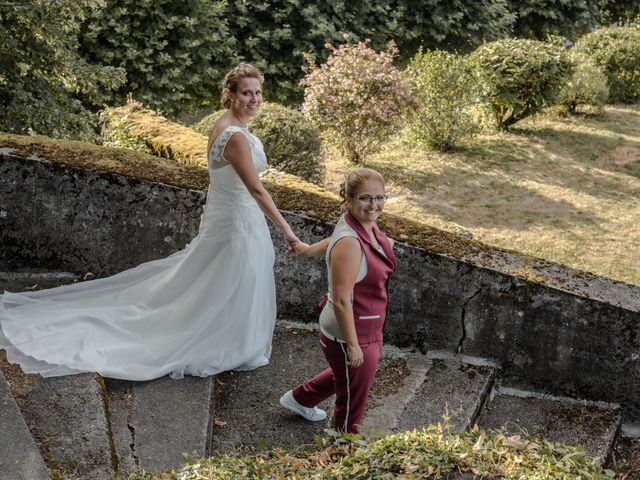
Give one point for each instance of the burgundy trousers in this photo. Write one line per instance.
(350, 385)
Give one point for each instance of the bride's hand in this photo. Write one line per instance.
(291, 240)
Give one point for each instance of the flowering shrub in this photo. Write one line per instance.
(356, 98)
(446, 89)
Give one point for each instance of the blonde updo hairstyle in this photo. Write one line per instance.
(233, 77)
(354, 180)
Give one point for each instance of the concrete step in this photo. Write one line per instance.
(437, 390)
(247, 409)
(67, 420)
(155, 423)
(625, 458)
(35, 280)
(593, 426)
(20, 459)
(399, 377)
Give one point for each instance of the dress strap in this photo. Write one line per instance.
(216, 158)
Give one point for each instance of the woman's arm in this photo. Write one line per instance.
(346, 256)
(238, 153)
(318, 249)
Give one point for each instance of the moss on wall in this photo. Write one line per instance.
(163, 137)
(289, 192)
(294, 194)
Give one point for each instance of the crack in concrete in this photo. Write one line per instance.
(128, 401)
(115, 460)
(210, 426)
(462, 320)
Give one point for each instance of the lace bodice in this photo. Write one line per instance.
(216, 158)
(227, 192)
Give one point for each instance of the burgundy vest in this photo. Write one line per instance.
(371, 294)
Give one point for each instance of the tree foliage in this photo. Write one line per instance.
(275, 35)
(175, 53)
(452, 25)
(536, 19)
(43, 79)
(623, 11)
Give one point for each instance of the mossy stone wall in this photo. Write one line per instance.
(551, 328)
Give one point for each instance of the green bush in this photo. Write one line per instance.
(446, 88)
(587, 86)
(521, 77)
(292, 144)
(617, 52)
(204, 126)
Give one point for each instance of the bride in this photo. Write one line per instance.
(205, 309)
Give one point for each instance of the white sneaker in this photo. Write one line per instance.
(314, 414)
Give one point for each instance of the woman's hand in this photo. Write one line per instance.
(354, 356)
(300, 248)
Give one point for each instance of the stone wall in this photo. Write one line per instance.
(579, 337)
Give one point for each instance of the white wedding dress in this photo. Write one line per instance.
(203, 310)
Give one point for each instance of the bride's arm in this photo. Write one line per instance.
(238, 153)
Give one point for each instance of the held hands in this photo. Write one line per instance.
(291, 240)
(295, 245)
(300, 248)
(354, 355)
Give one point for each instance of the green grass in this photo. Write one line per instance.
(564, 189)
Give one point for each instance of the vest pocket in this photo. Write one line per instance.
(368, 317)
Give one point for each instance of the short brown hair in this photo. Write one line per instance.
(231, 79)
(354, 180)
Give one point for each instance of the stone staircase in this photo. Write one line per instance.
(92, 427)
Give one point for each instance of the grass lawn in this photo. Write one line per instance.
(564, 189)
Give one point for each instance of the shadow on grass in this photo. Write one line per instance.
(567, 159)
(490, 201)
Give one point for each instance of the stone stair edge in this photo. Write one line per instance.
(500, 389)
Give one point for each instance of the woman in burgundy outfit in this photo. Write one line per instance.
(360, 261)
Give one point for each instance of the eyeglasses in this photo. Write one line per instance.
(379, 199)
